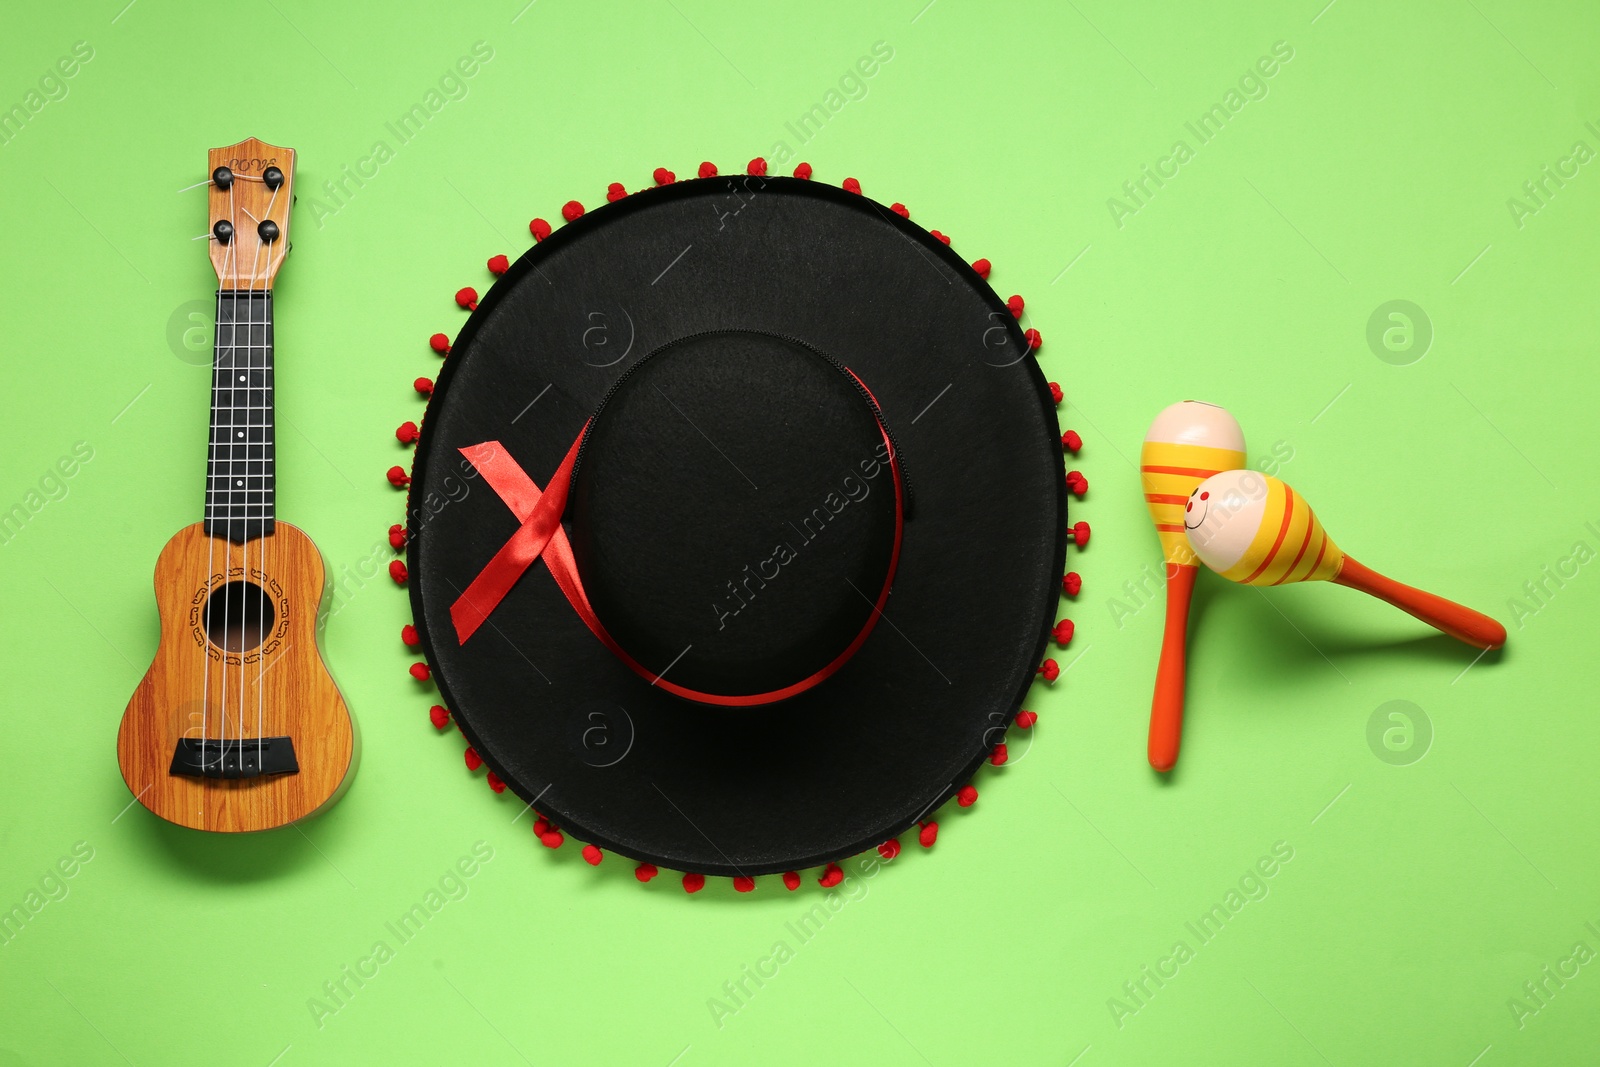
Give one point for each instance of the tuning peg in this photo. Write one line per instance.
(268, 230)
(273, 177)
(223, 231)
(222, 178)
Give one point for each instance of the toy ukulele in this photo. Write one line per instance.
(238, 725)
(1253, 529)
(1187, 443)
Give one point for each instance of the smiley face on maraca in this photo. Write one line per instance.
(1192, 518)
(1222, 516)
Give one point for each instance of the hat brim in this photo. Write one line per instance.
(893, 734)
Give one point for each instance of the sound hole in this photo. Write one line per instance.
(239, 616)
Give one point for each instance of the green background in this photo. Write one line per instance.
(1422, 893)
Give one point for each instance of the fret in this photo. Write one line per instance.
(240, 467)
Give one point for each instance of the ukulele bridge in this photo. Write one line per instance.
(248, 757)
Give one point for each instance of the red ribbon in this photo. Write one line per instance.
(540, 515)
(541, 537)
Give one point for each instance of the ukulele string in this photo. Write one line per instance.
(227, 545)
(244, 544)
(210, 502)
(226, 508)
(266, 401)
(212, 181)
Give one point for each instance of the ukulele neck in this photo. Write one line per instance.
(240, 469)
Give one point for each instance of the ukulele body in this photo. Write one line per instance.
(238, 692)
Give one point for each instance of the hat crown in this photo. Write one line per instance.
(734, 513)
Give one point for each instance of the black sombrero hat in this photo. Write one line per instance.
(737, 523)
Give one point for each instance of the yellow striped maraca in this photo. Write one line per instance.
(1253, 529)
(1187, 443)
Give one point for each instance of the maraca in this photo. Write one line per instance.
(1253, 529)
(1188, 442)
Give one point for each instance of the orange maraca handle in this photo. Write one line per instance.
(1166, 708)
(1461, 623)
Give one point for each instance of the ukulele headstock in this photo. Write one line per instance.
(249, 195)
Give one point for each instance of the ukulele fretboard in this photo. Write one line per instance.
(240, 479)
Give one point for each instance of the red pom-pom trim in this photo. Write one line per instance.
(791, 879)
(397, 571)
(889, 849)
(1055, 392)
(495, 782)
(592, 856)
(967, 796)
(757, 167)
(1026, 719)
(615, 192)
(1071, 583)
(693, 883)
(409, 635)
(539, 228)
(1063, 632)
(1080, 534)
(397, 537)
(551, 838)
(937, 236)
(572, 211)
(927, 834)
(999, 754)
(440, 344)
(663, 176)
(474, 761)
(831, 876)
(1014, 305)
(1071, 442)
(1077, 483)
(406, 433)
(850, 185)
(467, 297)
(708, 169)
(1034, 339)
(423, 386)
(744, 883)
(646, 871)
(1049, 670)
(439, 716)
(803, 172)
(420, 671)
(398, 477)
(901, 210)
(499, 264)
(983, 267)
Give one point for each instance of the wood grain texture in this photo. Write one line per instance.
(279, 688)
(248, 262)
